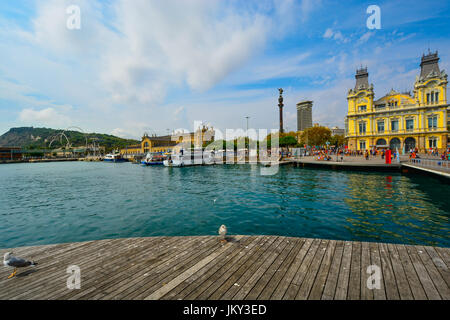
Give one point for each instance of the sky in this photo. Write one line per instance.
(154, 66)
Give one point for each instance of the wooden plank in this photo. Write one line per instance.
(252, 267)
(233, 284)
(171, 273)
(55, 279)
(215, 287)
(440, 264)
(170, 269)
(156, 295)
(120, 273)
(125, 261)
(319, 283)
(56, 263)
(354, 284)
(282, 287)
(268, 292)
(308, 281)
(344, 272)
(244, 247)
(124, 267)
(265, 278)
(236, 277)
(439, 282)
(329, 290)
(294, 286)
(251, 282)
(413, 280)
(366, 293)
(44, 258)
(423, 275)
(445, 255)
(378, 294)
(399, 274)
(388, 274)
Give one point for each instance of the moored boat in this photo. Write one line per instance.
(114, 158)
(196, 157)
(153, 159)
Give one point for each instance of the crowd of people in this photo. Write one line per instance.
(325, 154)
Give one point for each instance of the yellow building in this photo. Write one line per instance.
(169, 143)
(400, 120)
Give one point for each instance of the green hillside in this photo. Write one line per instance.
(40, 138)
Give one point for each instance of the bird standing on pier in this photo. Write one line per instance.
(10, 261)
(223, 233)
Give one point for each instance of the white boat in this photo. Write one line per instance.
(114, 158)
(193, 158)
(152, 159)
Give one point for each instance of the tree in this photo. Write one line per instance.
(288, 141)
(337, 140)
(315, 136)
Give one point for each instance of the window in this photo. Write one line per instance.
(394, 125)
(380, 126)
(380, 106)
(428, 98)
(432, 122)
(432, 142)
(362, 127)
(436, 97)
(362, 145)
(409, 124)
(362, 108)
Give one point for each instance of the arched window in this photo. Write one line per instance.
(395, 144)
(381, 143)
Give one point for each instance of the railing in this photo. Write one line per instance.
(431, 163)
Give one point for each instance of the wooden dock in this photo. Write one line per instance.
(244, 268)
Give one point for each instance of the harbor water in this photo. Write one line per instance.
(46, 203)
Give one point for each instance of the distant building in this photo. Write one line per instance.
(304, 115)
(10, 153)
(400, 121)
(169, 143)
(336, 131)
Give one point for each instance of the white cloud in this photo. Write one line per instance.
(335, 35)
(365, 37)
(46, 117)
(161, 45)
(328, 33)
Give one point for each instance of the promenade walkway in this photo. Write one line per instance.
(246, 267)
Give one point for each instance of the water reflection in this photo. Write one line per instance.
(391, 208)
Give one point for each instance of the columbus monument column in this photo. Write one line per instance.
(281, 105)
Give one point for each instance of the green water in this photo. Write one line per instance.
(46, 203)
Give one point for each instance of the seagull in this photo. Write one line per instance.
(10, 261)
(223, 233)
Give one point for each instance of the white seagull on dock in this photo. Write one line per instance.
(223, 232)
(10, 261)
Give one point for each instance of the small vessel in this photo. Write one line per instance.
(153, 159)
(114, 158)
(195, 157)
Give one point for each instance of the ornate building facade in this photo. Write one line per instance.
(170, 143)
(400, 121)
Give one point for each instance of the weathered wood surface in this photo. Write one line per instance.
(243, 268)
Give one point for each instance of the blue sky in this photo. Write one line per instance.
(143, 65)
